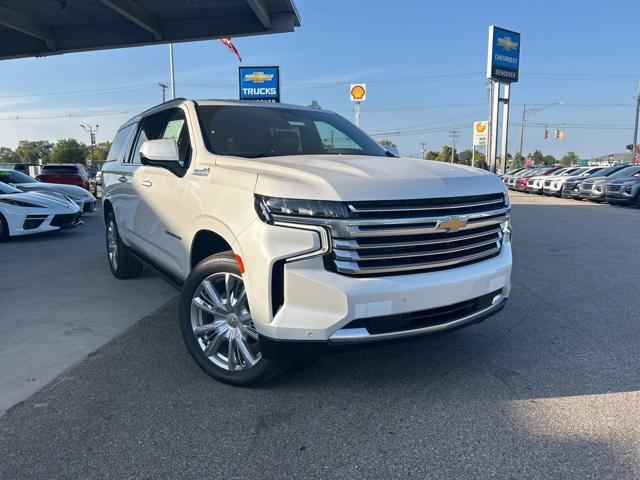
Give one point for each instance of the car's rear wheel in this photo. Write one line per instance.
(217, 326)
(122, 263)
(4, 229)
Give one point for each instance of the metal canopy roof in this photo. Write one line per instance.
(51, 27)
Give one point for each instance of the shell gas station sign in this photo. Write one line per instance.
(480, 131)
(358, 92)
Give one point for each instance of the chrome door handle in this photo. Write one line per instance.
(147, 183)
(122, 179)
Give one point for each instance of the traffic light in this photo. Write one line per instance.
(546, 133)
(556, 133)
(561, 134)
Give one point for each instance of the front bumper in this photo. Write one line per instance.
(620, 197)
(317, 304)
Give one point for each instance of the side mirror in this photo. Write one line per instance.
(162, 150)
(162, 153)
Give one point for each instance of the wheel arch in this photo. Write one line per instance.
(205, 243)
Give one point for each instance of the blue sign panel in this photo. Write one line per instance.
(260, 83)
(504, 55)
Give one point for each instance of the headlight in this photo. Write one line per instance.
(18, 203)
(598, 188)
(627, 189)
(266, 207)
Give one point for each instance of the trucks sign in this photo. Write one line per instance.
(503, 61)
(260, 84)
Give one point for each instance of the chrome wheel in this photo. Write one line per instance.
(221, 322)
(112, 245)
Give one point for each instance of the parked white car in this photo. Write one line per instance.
(24, 182)
(553, 185)
(24, 213)
(292, 233)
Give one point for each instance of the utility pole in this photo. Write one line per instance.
(92, 136)
(173, 78)
(635, 130)
(163, 87)
(524, 113)
(453, 135)
(423, 150)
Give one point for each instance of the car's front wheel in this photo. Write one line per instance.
(217, 327)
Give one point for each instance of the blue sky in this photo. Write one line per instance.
(424, 64)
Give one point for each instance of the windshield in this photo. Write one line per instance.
(257, 131)
(626, 172)
(605, 172)
(7, 189)
(13, 176)
(576, 171)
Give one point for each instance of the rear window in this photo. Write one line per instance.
(60, 169)
(13, 176)
(119, 145)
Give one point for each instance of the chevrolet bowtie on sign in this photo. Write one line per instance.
(503, 62)
(260, 84)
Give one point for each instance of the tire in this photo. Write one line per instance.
(122, 263)
(4, 229)
(213, 293)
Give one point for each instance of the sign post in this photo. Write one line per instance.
(358, 94)
(503, 64)
(261, 84)
(480, 133)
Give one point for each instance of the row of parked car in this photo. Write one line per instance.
(51, 202)
(615, 184)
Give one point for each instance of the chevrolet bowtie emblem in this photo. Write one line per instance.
(451, 224)
(259, 77)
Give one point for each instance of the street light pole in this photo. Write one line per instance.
(635, 130)
(92, 137)
(531, 112)
(524, 113)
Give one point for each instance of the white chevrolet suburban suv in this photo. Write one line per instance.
(292, 233)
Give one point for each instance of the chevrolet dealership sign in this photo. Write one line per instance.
(503, 62)
(260, 83)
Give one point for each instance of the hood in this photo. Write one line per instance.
(72, 191)
(625, 180)
(351, 177)
(56, 203)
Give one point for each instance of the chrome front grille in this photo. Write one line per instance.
(614, 187)
(395, 237)
(547, 183)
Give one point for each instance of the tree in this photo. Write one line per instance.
(537, 157)
(549, 160)
(69, 150)
(431, 155)
(100, 150)
(445, 155)
(30, 151)
(387, 143)
(465, 157)
(8, 156)
(569, 159)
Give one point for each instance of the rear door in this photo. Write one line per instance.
(116, 179)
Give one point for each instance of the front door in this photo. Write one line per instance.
(158, 220)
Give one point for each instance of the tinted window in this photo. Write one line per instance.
(13, 176)
(626, 172)
(248, 131)
(60, 169)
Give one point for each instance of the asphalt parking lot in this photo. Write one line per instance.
(549, 388)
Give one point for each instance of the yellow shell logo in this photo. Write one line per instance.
(481, 127)
(357, 92)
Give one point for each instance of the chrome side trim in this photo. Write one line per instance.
(325, 243)
(361, 335)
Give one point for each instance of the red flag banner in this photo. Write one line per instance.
(227, 43)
